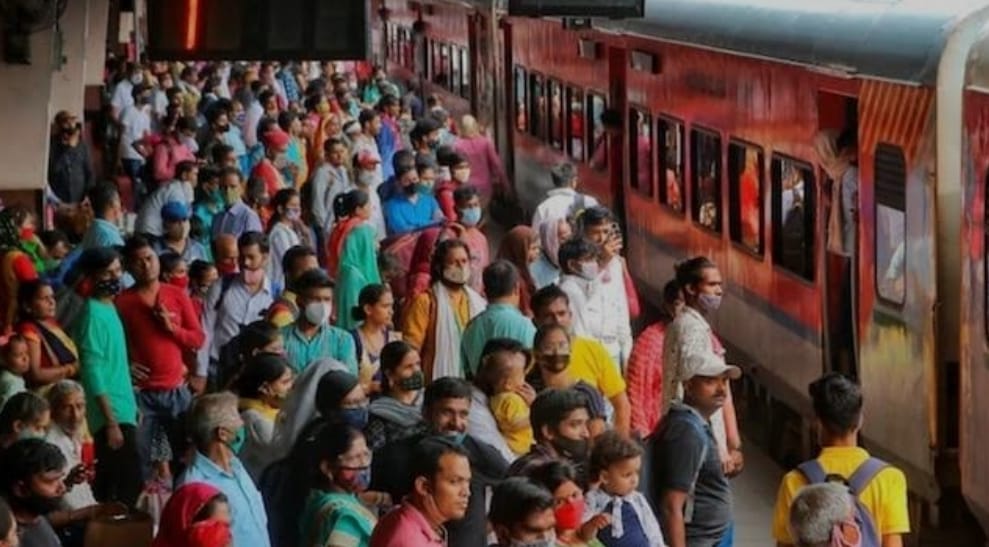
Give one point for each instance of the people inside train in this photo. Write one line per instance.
(521, 247)
(501, 377)
(469, 214)
(645, 366)
(878, 486)
(501, 319)
(563, 201)
(522, 513)
(823, 515)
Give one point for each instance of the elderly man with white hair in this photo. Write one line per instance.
(823, 515)
(218, 433)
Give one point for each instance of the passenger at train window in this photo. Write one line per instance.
(838, 155)
(469, 213)
(563, 201)
(413, 207)
(837, 403)
(611, 125)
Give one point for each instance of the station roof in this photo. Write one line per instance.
(891, 39)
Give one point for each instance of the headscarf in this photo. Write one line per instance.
(515, 249)
(178, 514)
(299, 407)
(10, 232)
(334, 244)
(549, 238)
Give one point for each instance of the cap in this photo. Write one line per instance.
(708, 365)
(276, 138)
(175, 210)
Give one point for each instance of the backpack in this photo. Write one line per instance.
(857, 483)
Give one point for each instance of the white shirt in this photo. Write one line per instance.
(600, 309)
(80, 495)
(364, 143)
(281, 238)
(328, 182)
(149, 217)
(238, 309)
(135, 124)
(251, 120)
(122, 97)
(482, 426)
(558, 205)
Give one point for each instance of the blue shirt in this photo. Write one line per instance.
(102, 233)
(329, 341)
(194, 250)
(248, 521)
(236, 220)
(498, 321)
(403, 216)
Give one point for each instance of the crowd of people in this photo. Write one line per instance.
(303, 336)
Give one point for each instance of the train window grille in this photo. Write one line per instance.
(454, 86)
(890, 168)
(640, 151)
(793, 202)
(597, 155)
(521, 100)
(537, 107)
(745, 173)
(442, 65)
(705, 153)
(575, 123)
(672, 157)
(555, 114)
(465, 68)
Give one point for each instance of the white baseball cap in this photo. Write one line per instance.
(709, 365)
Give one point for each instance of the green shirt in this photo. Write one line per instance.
(103, 366)
(332, 518)
(329, 341)
(497, 321)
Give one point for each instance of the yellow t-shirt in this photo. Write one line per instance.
(591, 362)
(885, 497)
(512, 415)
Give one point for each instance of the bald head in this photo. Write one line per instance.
(225, 253)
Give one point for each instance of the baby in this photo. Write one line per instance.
(502, 378)
(16, 361)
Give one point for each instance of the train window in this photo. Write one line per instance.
(465, 73)
(441, 64)
(745, 195)
(598, 152)
(555, 114)
(640, 155)
(575, 123)
(430, 47)
(408, 48)
(891, 199)
(455, 70)
(793, 216)
(537, 106)
(705, 155)
(669, 133)
(521, 100)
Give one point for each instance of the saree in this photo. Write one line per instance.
(358, 268)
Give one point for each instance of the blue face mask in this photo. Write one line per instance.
(456, 436)
(470, 216)
(355, 417)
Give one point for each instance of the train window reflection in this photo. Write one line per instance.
(556, 114)
(891, 253)
(599, 150)
(793, 216)
(669, 133)
(575, 123)
(537, 106)
(745, 195)
(521, 102)
(431, 54)
(640, 156)
(706, 179)
(455, 70)
(465, 73)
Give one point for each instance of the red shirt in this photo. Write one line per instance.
(645, 378)
(149, 344)
(405, 527)
(273, 181)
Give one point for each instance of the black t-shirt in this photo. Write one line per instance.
(678, 447)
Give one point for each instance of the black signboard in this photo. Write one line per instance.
(577, 8)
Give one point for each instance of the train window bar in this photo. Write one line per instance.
(705, 174)
(640, 150)
(745, 214)
(793, 214)
(672, 155)
(537, 106)
(597, 154)
(890, 168)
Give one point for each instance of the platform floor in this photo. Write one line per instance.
(755, 495)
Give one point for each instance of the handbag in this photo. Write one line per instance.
(131, 530)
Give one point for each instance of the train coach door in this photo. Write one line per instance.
(838, 114)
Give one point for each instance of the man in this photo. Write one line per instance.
(401, 162)
(559, 420)
(522, 513)
(366, 141)
(217, 433)
(589, 360)
(108, 210)
(238, 218)
(425, 136)
(436, 333)
(217, 126)
(111, 408)
(276, 144)
(135, 127)
(690, 490)
(297, 261)
(445, 410)
(123, 92)
(222, 156)
(823, 515)
(502, 318)
(235, 301)
(67, 401)
(312, 336)
(161, 325)
(180, 189)
(389, 137)
(32, 480)
(563, 201)
(837, 403)
(409, 210)
(329, 181)
(225, 254)
(440, 472)
(175, 217)
(172, 151)
(70, 169)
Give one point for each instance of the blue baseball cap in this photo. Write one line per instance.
(175, 210)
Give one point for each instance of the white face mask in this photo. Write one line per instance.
(318, 313)
(137, 78)
(588, 270)
(456, 275)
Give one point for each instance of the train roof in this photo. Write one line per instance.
(890, 39)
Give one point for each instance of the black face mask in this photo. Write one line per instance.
(223, 128)
(410, 190)
(108, 287)
(35, 504)
(576, 451)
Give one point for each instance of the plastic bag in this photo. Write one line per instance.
(152, 501)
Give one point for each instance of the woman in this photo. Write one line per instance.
(560, 478)
(374, 311)
(521, 247)
(358, 268)
(397, 414)
(281, 232)
(8, 526)
(486, 167)
(351, 209)
(17, 265)
(333, 514)
(257, 337)
(262, 386)
(418, 278)
(54, 355)
(546, 269)
(197, 515)
(645, 366)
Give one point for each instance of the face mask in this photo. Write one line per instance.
(588, 270)
(569, 515)
(226, 268)
(709, 302)
(555, 363)
(433, 145)
(293, 214)
(412, 383)
(37, 505)
(545, 542)
(355, 417)
(359, 480)
(240, 437)
(318, 313)
(457, 437)
(107, 287)
(461, 175)
(411, 189)
(425, 188)
(231, 196)
(574, 450)
(27, 233)
(253, 277)
(180, 281)
(456, 275)
(137, 79)
(470, 216)
(223, 128)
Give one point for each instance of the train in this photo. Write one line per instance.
(723, 103)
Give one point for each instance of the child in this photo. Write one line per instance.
(16, 361)
(468, 202)
(459, 169)
(174, 270)
(615, 463)
(501, 377)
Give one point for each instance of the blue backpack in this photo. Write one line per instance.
(857, 483)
